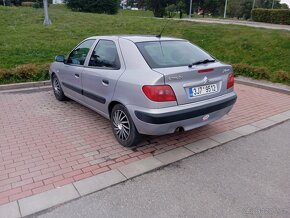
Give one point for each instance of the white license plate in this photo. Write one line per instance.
(202, 90)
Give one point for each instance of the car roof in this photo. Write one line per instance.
(138, 38)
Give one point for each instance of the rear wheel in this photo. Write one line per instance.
(123, 127)
(57, 90)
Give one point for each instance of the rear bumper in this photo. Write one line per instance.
(189, 116)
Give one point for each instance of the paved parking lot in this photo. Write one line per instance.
(45, 144)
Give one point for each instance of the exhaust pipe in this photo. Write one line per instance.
(179, 129)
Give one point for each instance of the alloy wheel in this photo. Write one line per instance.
(121, 125)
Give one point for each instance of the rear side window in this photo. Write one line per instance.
(162, 54)
(105, 55)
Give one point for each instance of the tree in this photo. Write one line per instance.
(46, 21)
(94, 6)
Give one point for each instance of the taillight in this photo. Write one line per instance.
(159, 93)
(231, 81)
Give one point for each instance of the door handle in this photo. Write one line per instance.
(77, 75)
(105, 82)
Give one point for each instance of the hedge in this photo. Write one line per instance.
(277, 16)
(24, 73)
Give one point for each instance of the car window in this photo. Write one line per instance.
(162, 54)
(105, 55)
(79, 54)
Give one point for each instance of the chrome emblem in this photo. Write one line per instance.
(206, 80)
(226, 70)
(175, 77)
(205, 118)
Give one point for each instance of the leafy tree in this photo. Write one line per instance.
(95, 6)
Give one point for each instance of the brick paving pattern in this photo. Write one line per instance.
(46, 144)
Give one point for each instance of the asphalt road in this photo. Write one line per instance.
(248, 177)
(240, 22)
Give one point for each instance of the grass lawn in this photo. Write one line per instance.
(24, 40)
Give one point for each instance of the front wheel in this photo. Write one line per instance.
(57, 90)
(123, 127)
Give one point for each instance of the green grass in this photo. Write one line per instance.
(24, 39)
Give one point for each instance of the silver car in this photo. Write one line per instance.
(145, 85)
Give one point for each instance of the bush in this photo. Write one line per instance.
(261, 73)
(250, 71)
(24, 73)
(97, 6)
(277, 16)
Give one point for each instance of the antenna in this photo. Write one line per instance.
(160, 34)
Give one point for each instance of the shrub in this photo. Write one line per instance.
(24, 73)
(250, 71)
(97, 6)
(282, 76)
(262, 73)
(277, 16)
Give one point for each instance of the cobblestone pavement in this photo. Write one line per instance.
(45, 144)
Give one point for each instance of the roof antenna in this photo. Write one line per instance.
(160, 34)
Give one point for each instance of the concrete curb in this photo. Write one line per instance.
(25, 85)
(37, 203)
(261, 85)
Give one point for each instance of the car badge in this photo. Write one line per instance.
(206, 80)
(206, 117)
(175, 78)
(226, 70)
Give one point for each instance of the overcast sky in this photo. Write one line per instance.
(286, 1)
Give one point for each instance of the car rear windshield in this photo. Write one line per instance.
(163, 54)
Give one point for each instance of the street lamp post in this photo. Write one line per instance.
(225, 12)
(190, 8)
(46, 21)
(254, 2)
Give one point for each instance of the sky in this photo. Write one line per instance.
(286, 1)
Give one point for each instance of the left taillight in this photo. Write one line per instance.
(159, 93)
(231, 81)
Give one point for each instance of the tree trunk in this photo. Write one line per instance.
(4, 3)
(46, 21)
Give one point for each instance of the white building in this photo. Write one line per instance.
(57, 1)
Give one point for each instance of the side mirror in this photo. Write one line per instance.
(59, 58)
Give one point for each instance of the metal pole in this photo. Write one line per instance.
(273, 4)
(190, 8)
(254, 2)
(46, 21)
(225, 12)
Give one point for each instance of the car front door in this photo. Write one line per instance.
(104, 67)
(71, 73)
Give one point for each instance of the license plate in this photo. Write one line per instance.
(202, 90)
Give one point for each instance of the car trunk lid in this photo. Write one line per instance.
(197, 83)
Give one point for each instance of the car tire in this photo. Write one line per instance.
(123, 127)
(57, 90)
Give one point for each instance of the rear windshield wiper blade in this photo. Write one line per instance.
(202, 62)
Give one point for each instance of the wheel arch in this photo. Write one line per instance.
(112, 105)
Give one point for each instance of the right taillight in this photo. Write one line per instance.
(159, 93)
(231, 81)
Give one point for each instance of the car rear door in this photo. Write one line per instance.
(102, 71)
(192, 73)
(71, 72)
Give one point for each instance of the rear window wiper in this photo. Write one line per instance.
(202, 62)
